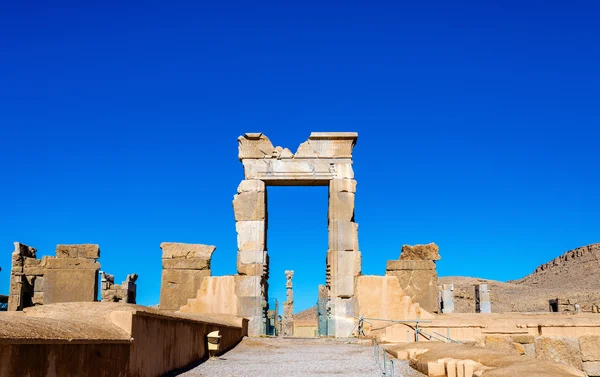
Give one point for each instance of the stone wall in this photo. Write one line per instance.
(71, 276)
(184, 268)
(108, 340)
(417, 275)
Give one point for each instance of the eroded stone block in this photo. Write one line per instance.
(342, 185)
(50, 263)
(186, 264)
(341, 206)
(248, 286)
(563, 350)
(90, 251)
(252, 185)
(343, 236)
(250, 257)
(420, 252)
(400, 265)
(590, 347)
(186, 250)
(178, 286)
(248, 206)
(251, 235)
(71, 285)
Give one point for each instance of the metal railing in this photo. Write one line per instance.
(382, 363)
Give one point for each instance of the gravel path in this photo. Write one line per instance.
(273, 357)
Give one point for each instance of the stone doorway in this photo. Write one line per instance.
(325, 159)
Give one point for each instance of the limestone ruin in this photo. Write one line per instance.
(482, 299)
(125, 292)
(71, 276)
(184, 268)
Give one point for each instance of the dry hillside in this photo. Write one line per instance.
(573, 275)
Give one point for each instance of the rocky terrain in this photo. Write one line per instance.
(573, 275)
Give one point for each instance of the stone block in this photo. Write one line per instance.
(186, 264)
(250, 235)
(50, 263)
(435, 369)
(343, 286)
(590, 347)
(38, 298)
(250, 307)
(23, 250)
(400, 265)
(248, 286)
(252, 185)
(341, 206)
(502, 344)
(71, 285)
(344, 262)
(39, 284)
(342, 185)
(343, 236)
(178, 286)
(529, 350)
(254, 269)
(592, 368)
(249, 206)
(32, 266)
(186, 250)
(251, 257)
(419, 284)
(90, 251)
(343, 171)
(420, 252)
(563, 350)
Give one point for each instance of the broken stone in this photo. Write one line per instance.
(420, 252)
(254, 145)
(563, 350)
(343, 236)
(590, 347)
(400, 265)
(178, 286)
(50, 263)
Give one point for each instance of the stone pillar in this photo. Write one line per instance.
(184, 267)
(447, 298)
(249, 207)
(288, 306)
(21, 287)
(322, 310)
(416, 274)
(343, 256)
(482, 299)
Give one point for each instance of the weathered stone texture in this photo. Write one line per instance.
(89, 251)
(71, 285)
(590, 347)
(184, 267)
(125, 292)
(343, 236)
(420, 252)
(178, 286)
(592, 368)
(419, 284)
(249, 206)
(251, 235)
(563, 350)
(503, 344)
(341, 206)
(186, 250)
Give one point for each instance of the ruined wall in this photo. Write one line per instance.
(184, 268)
(125, 292)
(107, 340)
(417, 275)
(71, 276)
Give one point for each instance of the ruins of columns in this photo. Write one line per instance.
(288, 306)
(447, 298)
(482, 299)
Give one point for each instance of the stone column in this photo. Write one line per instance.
(249, 206)
(288, 306)
(447, 298)
(322, 310)
(343, 256)
(482, 299)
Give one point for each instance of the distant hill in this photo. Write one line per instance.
(309, 314)
(574, 275)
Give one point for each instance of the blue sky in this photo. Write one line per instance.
(478, 124)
